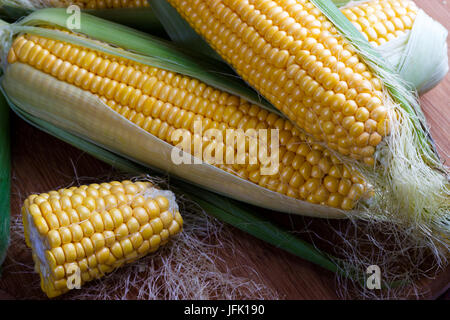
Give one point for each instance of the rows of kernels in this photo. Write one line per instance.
(160, 101)
(290, 53)
(98, 228)
(381, 21)
(303, 166)
(99, 4)
(121, 70)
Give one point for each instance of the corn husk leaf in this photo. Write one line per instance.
(142, 19)
(229, 211)
(5, 172)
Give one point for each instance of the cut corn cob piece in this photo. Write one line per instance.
(160, 101)
(91, 230)
(381, 21)
(294, 57)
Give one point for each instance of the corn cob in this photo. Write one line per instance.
(98, 4)
(95, 229)
(381, 21)
(160, 101)
(293, 55)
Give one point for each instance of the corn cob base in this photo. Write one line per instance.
(89, 231)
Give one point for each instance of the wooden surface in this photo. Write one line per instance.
(42, 163)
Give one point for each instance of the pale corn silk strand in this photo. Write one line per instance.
(409, 210)
(190, 266)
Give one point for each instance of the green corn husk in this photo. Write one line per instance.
(142, 19)
(5, 173)
(34, 107)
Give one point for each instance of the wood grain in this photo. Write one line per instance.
(42, 163)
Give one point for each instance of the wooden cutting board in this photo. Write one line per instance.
(41, 163)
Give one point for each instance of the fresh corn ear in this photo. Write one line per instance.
(312, 64)
(292, 54)
(134, 109)
(398, 30)
(82, 233)
(160, 101)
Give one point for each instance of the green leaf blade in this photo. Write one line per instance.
(5, 178)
